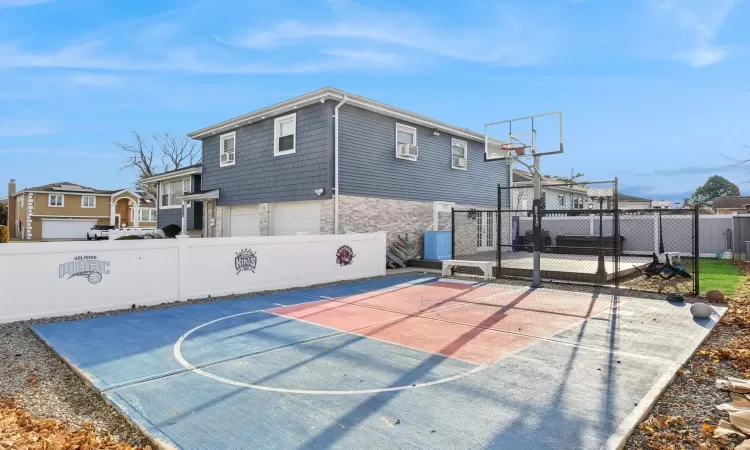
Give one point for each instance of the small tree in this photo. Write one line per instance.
(4, 213)
(159, 152)
(716, 186)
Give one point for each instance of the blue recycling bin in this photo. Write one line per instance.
(437, 245)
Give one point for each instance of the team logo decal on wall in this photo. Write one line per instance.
(344, 255)
(246, 260)
(88, 267)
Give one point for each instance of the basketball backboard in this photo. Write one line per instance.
(538, 134)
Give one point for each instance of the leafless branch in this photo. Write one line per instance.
(158, 153)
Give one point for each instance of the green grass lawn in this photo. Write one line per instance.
(719, 274)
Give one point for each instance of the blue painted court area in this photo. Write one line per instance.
(242, 374)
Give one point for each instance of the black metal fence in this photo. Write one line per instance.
(583, 235)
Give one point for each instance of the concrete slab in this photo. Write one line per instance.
(382, 367)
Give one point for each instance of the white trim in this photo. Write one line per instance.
(406, 129)
(180, 173)
(71, 219)
(91, 206)
(135, 194)
(276, 126)
(222, 139)
(202, 196)
(59, 192)
(52, 216)
(176, 198)
(329, 93)
(62, 200)
(459, 143)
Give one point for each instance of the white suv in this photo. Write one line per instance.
(99, 232)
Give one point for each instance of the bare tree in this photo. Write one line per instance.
(159, 152)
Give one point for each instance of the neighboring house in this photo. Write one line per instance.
(67, 210)
(731, 205)
(275, 171)
(557, 194)
(604, 197)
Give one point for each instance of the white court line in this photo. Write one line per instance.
(279, 304)
(177, 352)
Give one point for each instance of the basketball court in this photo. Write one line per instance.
(400, 362)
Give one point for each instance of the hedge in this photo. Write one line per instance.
(4, 234)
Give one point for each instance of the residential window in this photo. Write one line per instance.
(577, 203)
(227, 144)
(88, 201)
(284, 135)
(171, 191)
(561, 199)
(406, 142)
(459, 154)
(144, 215)
(56, 200)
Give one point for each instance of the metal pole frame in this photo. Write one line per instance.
(696, 251)
(537, 225)
(616, 233)
(499, 229)
(453, 233)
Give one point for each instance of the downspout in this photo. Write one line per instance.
(336, 166)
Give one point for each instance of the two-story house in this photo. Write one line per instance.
(67, 210)
(329, 162)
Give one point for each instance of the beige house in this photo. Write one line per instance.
(68, 211)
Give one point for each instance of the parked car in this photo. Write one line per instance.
(99, 232)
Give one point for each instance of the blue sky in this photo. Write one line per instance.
(653, 91)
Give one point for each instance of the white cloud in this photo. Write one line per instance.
(24, 127)
(701, 57)
(699, 22)
(500, 38)
(366, 56)
(20, 3)
(94, 56)
(94, 79)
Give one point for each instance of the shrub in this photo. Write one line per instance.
(171, 230)
(130, 237)
(4, 234)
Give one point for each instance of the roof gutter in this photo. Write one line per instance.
(336, 166)
(174, 174)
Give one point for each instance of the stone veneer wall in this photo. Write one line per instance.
(394, 216)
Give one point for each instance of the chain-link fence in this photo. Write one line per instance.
(583, 235)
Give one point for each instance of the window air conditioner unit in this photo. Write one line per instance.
(461, 162)
(227, 157)
(408, 150)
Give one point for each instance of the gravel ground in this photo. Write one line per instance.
(48, 388)
(693, 396)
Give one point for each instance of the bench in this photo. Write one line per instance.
(486, 266)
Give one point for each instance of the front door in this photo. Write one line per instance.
(486, 230)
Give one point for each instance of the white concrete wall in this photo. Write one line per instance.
(54, 278)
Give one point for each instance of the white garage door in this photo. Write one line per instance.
(66, 229)
(296, 217)
(244, 221)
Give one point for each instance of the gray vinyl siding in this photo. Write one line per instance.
(170, 216)
(369, 167)
(258, 176)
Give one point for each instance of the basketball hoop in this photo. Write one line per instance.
(514, 149)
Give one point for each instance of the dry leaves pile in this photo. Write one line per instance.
(19, 430)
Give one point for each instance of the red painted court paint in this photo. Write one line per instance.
(539, 324)
(468, 324)
(333, 314)
(447, 339)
